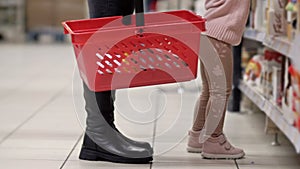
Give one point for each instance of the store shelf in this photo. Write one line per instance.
(12, 19)
(255, 35)
(279, 44)
(273, 112)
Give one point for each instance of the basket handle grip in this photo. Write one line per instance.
(139, 10)
(139, 17)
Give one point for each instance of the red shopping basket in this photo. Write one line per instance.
(113, 55)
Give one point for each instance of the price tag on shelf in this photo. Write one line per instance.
(255, 98)
(261, 102)
(276, 118)
(294, 135)
(248, 91)
(278, 44)
(285, 127)
(282, 45)
(261, 105)
(265, 108)
(268, 108)
(244, 87)
(260, 36)
(289, 132)
(268, 41)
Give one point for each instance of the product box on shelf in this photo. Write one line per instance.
(253, 70)
(291, 16)
(291, 101)
(272, 61)
(287, 102)
(276, 17)
(295, 85)
(277, 20)
(287, 99)
(277, 85)
(259, 8)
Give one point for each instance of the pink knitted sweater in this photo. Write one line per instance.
(226, 19)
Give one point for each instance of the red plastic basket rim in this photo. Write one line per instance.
(68, 30)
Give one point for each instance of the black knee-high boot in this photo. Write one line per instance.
(102, 140)
(105, 101)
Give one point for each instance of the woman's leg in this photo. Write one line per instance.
(102, 140)
(104, 8)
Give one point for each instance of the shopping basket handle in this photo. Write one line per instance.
(139, 10)
(139, 17)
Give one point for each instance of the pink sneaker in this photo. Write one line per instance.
(194, 145)
(220, 148)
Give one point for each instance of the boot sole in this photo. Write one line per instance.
(222, 156)
(91, 155)
(193, 150)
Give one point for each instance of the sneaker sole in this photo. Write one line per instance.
(91, 155)
(193, 150)
(223, 156)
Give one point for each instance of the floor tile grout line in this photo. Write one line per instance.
(72, 150)
(33, 114)
(236, 164)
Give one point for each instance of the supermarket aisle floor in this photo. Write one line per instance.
(39, 127)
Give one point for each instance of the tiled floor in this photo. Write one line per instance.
(41, 127)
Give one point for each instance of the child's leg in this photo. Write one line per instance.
(216, 145)
(209, 91)
(224, 51)
(194, 146)
(201, 103)
(217, 76)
